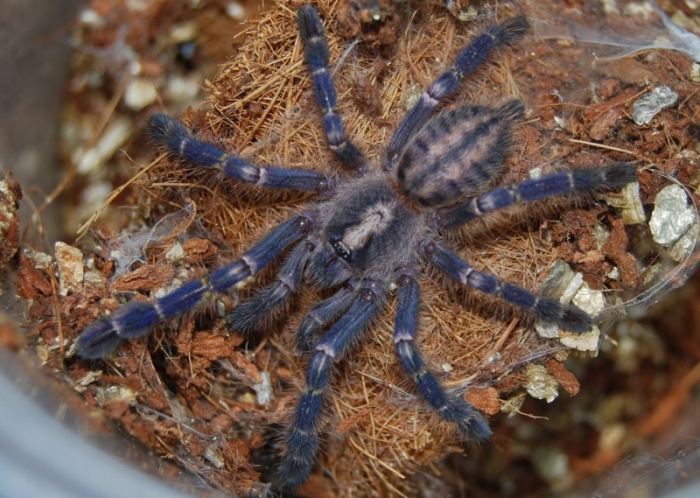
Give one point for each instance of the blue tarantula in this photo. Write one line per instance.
(370, 233)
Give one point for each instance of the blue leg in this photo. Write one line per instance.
(260, 310)
(469, 59)
(136, 319)
(453, 409)
(547, 309)
(178, 141)
(302, 437)
(316, 54)
(327, 269)
(581, 181)
(322, 314)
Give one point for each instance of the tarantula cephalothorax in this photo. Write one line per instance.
(370, 233)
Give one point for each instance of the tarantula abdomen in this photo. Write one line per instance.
(457, 154)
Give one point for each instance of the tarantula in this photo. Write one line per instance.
(370, 233)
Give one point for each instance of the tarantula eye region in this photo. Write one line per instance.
(341, 249)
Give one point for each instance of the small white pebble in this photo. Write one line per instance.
(589, 300)
(684, 246)
(134, 68)
(183, 32)
(610, 7)
(632, 210)
(181, 90)
(612, 437)
(93, 198)
(650, 104)
(113, 137)
(553, 464)
(411, 97)
(575, 284)
(164, 291)
(695, 72)
(642, 9)
(137, 5)
(587, 341)
(630, 203)
(263, 390)
(540, 384)
(175, 253)
(672, 216)
(235, 11)
(139, 94)
(214, 457)
(70, 268)
(94, 279)
(41, 260)
(90, 18)
(90, 377)
(535, 173)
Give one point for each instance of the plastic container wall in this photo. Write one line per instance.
(40, 452)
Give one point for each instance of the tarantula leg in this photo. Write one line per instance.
(326, 268)
(453, 409)
(469, 59)
(260, 310)
(547, 309)
(179, 142)
(581, 181)
(302, 439)
(316, 54)
(322, 314)
(136, 319)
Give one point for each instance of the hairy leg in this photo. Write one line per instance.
(316, 54)
(302, 437)
(547, 309)
(453, 409)
(179, 142)
(261, 309)
(136, 318)
(581, 181)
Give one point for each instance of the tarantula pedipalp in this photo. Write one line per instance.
(370, 232)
